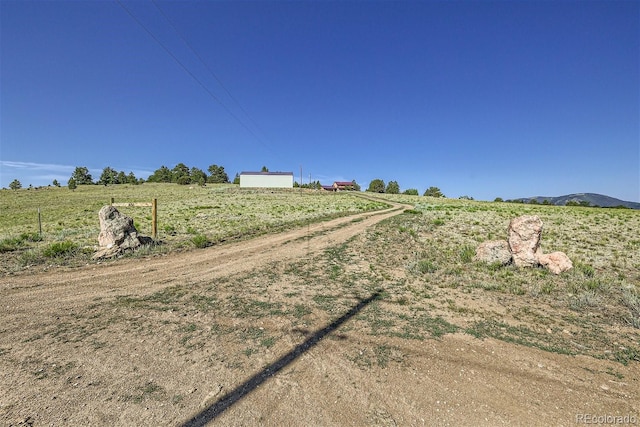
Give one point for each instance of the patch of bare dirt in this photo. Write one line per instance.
(245, 334)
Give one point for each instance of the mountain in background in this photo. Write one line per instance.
(582, 199)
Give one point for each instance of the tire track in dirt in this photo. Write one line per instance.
(31, 293)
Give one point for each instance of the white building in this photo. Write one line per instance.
(266, 179)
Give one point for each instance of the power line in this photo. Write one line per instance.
(193, 76)
(193, 50)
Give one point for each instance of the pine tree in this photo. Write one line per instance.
(15, 185)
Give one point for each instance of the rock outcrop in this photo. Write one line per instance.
(117, 233)
(522, 247)
(524, 235)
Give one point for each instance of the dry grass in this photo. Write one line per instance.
(421, 261)
(187, 216)
(419, 265)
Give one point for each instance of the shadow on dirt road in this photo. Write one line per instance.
(225, 402)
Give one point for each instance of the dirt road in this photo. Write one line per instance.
(225, 335)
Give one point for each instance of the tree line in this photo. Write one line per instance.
(215, 174)
(180, 174)
(392, 187)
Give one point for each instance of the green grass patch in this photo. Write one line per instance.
(200, 241)
(521, 334)
(59, 249)
(15, 243)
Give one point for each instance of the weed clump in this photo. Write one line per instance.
(425, 266)
(59, 249)
(631, 299)
(15, 243)
(200, 241)
(467, 253)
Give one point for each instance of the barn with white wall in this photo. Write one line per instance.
(266, 179)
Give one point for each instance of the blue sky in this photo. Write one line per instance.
(480, 98)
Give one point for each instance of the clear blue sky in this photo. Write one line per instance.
(480, 98)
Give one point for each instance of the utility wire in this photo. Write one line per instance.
(193, 76)
(184, 40)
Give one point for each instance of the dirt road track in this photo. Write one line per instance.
(135, 372)
(135, 275)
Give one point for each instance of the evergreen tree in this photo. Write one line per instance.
(131, 179)
(15, 185)
(236, 179)
(433, 192)
(376, 186)
(392, 188)
(161, 175)
(109, 176)
(411, 192)
(198, 176)
(81, 176)
(121, 178)
(72, 184)
(180, 174)
(217, 175)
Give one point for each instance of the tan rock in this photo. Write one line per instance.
(556, 262)
(117, 233)
(495, 251)
(116, 229)
(524, 240)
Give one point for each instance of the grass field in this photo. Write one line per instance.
(587, 310)
(423, 257)
(187, 216)
(155, 339)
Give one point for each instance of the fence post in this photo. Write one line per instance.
(39, 223)
(112, 201)
(154, 219)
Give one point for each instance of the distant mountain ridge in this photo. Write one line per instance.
(592, 198)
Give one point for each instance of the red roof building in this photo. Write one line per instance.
(343, 185)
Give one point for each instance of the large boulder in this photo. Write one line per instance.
(524, 240)
(117, 233)
(494, 251)
(556, 262)
(523, 247)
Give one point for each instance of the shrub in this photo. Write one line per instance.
(10, 244)
(15, 243)
(426, 266)
(59, 249)
(200, 241)
(31, 237)
(631, 299)
(467, 253)
(585, 269)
